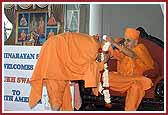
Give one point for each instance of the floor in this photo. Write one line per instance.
(117, 107)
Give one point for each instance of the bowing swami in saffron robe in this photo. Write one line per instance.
(129, 76)
(64, 57)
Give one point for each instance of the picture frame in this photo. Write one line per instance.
(33, 29)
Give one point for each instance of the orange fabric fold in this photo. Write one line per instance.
(64, 57)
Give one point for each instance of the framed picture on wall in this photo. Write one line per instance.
(51, 20)
(23, 19)
(33, 28)
(51, 31)
(22, 34)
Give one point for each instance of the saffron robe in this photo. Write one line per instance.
(129, 76)
(64, 57)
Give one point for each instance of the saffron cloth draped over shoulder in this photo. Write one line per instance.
(64, 57)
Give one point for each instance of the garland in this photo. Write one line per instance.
(104, 82)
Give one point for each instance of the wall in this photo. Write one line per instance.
(84, 18)
(117, 17)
